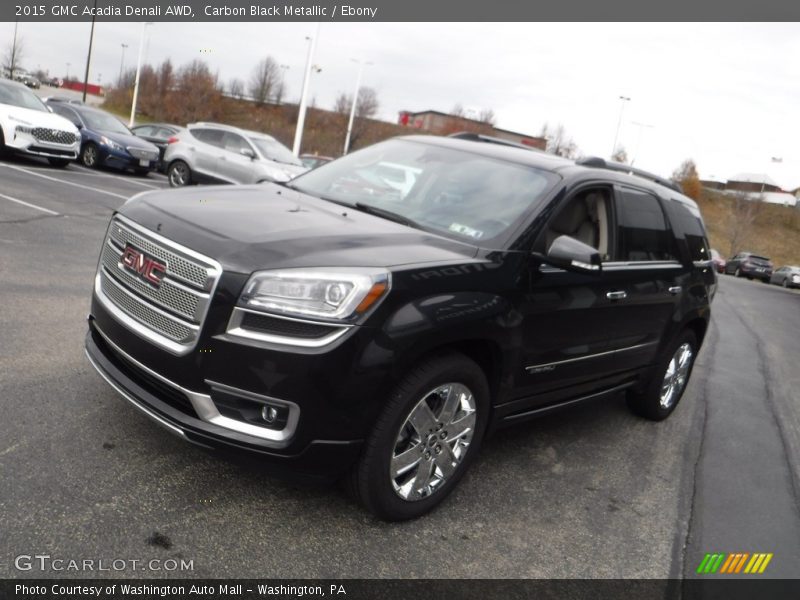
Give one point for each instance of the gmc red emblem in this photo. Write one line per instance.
(146, 267)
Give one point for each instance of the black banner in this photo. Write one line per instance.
(393, 589)
(405, 11)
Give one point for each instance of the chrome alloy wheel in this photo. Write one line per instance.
(432, 441)
(676, 376)
(179, 175)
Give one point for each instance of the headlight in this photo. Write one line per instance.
(325, 292)
(795, 278)
(110, 143)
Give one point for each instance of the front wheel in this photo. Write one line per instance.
(179, 174)
(785, 283)
(89, 156)
(666, 388)
(737, 272)
(424, 441)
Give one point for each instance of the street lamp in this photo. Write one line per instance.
(641, 127)
(122, 62)
(67, 77)
(301, 117)
(623, 99)
(138, 72)
(361, 65)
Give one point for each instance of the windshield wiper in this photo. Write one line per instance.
(386, 214)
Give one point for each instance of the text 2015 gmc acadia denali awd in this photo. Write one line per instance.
(376, 317)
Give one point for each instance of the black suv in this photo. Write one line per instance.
(752, 266)
(344, 324)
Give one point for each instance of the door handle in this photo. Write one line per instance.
(675, 290)
(619, 295)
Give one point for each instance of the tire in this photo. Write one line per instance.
(737, 272)
(59, 163)
(656, 402)
(785, 283)
(405, 427)
(89, 156)
(179, 174)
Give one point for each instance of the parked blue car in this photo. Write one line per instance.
(105, 141)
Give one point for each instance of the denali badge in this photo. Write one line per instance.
(146, 267)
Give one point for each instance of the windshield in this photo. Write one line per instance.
(20, 96)
(274, 150)
(463, 195)
(104, 122)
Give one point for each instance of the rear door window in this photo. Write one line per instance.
(642, 233)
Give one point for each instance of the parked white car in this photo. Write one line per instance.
(215, 153)
(27, 126)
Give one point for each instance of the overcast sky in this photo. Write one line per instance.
(726, 95)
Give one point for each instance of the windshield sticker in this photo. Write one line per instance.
(465, 230)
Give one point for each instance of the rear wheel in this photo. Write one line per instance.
(666, 388)
(58, 162)
(426, 438)
(785, 283)
(737, 272)
(179, 174)
(89, 156)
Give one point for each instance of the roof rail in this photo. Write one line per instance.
(479, 137)
(601, 163)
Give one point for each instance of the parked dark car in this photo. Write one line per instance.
(105, 141)
(788, 277)
(312, 161)
(380, 334)
(160, 134)
(752, 266)
(718, 262)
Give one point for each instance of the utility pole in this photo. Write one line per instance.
(89, 54)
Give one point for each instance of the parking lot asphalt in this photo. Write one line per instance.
(589, 492)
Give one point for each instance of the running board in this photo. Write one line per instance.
(537, 412)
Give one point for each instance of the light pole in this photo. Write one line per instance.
(13, 64)
(623, 99)
(89, 54)
(641, 127)
(361, 65)
(122, 62)
(301, 116)
(138, 72)
(67, 77)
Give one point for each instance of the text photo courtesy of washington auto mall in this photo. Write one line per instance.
(444, 300)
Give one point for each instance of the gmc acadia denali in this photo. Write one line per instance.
(341, 325)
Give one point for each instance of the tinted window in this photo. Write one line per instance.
(686, 220)
(144, 130)
(233, 142)
(20, 96)
(65, 112)
(209, 136)
(641, 228)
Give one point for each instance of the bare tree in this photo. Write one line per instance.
(487, 116)
(620, 155)
(264, 80)
(236, 88)
(558, 142)
(13, 56)
(457, 110)
(366, 107)
(744, 209)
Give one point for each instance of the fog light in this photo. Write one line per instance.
(269, 414)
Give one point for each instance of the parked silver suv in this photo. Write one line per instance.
(211, 152)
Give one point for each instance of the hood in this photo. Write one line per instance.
(38, 118)
(248, 228)
(128, 139)
(280, 171)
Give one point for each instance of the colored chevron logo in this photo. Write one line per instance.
(735, 563)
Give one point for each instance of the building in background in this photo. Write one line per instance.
(439, 123)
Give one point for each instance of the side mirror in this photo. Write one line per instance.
(572, 255)
(248, 152)
(79, 125)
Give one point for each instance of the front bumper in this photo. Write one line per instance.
(322, 460)
(26, 143)
(121, 159)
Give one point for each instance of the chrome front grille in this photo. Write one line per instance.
(55, 136)
(170, 314)
(141, 153)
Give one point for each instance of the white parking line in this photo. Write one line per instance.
(85, 187)
(18, 201)
(85, 171)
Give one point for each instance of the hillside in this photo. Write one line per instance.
(775, 231)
